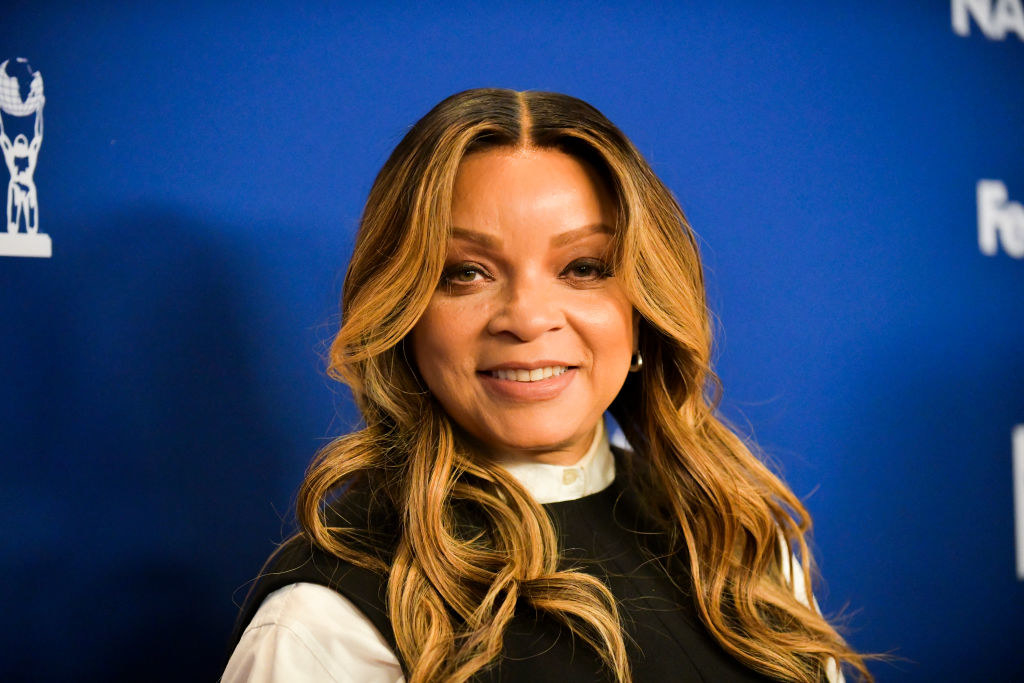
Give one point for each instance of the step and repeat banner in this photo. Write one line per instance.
(177, 231)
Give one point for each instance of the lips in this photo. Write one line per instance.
(535, 375)
(522, 383)
(528, 365)
(528, 371)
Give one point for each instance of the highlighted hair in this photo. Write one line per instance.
(453, 591)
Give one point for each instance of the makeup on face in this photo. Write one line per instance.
(528, 337)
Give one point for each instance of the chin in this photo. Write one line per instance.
(534, 437)
(540, 443)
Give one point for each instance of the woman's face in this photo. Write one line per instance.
(528, 337)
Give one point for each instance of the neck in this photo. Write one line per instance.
(550, 483)
(565, 455)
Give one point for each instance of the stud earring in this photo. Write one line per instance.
(636, 362)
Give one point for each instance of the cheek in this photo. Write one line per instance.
(609, 324)
(428, 340)
(441, 346)
(606, 327)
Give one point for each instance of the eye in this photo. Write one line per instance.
(462, 274)
(587, 269)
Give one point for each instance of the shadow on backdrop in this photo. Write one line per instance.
(943, 417)
(136, 506)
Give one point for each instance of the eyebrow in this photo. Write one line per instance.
(481, 238)
(571, 236)
(559, 240)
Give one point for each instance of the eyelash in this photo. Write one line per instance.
(599, 269)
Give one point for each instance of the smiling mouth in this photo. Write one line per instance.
(534, 375)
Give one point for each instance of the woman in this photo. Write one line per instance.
(519, 271)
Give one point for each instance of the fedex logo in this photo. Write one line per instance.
(1018, 495)
(999, 221)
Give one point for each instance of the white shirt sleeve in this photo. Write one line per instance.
(793, 572)
(307, 632)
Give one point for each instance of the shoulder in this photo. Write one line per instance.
(300, 576)
(300, 560)
(306, 631)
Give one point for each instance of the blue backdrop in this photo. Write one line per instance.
(202, 173)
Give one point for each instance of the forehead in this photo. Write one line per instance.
(504, 189)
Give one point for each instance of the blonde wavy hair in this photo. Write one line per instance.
(451, 591)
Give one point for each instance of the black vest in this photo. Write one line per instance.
(600, 533)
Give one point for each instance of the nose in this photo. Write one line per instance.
(529, 307)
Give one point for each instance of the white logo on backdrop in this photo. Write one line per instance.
(999, 221)
(1018, 495)
(995, 18)
(21, 116)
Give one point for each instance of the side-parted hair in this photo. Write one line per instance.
(450, 591)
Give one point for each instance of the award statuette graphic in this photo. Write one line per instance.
(21, 118)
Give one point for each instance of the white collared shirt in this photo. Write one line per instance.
(592, 473)
(308, 632)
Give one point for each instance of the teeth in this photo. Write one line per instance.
(529, 375)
